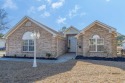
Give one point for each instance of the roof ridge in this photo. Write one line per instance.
(41, 24)
(104, 24)
(72, 27)
(55, 33)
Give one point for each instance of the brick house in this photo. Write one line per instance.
(97, 39)
(19, 41)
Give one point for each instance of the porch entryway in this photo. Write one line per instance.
(72, 42)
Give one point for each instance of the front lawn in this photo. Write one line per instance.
(73, 71)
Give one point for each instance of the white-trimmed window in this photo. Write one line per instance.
(28, 42)
(96, 44)
(28, 45)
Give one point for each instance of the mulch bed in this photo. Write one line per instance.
(119, 59)
(29, 57)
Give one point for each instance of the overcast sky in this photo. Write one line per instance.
(59, 13)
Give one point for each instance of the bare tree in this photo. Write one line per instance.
(63, 29)
(3, 20)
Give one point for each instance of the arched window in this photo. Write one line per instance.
(96, 44)
(28, 42)
(96, 37)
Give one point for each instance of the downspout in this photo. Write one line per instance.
(83, 53)
(76, 46)
(6, 46)
(57, 49)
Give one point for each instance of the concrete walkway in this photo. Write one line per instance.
(63, 58)
(67, 56)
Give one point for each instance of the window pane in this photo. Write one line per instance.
(92, 48)
(31, 42)
(100, 41)
(25, 48)
(92, 41)
(100, 48)
(31, 48)
(25, 42)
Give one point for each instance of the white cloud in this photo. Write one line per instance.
(32, 9)
(74, 11)
(9, 4)
(37, 0)
(83, 14)
(108, 0)
(42, 7)
(61, 20)
(45, 14)
(49, 1)
(58, 4)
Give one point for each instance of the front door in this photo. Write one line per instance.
(72, 43)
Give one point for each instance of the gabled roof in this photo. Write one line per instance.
(24, 19)
(100, 24)
(71, 27)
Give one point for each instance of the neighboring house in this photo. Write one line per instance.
(2, 44)
(123, 44)
(97, 39)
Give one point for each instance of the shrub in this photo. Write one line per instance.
(15, 55)
(48, 55)
(24, 55)
(68, 47)
(80, 46)
(3, 55)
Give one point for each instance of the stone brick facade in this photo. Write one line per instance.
(47, 43)
(61, 46)
(109, 42)
(57, 44)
